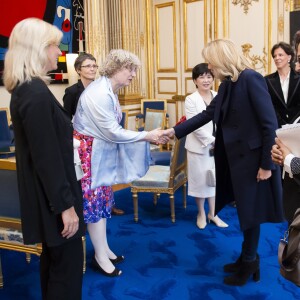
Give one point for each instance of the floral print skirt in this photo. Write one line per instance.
(97, 203)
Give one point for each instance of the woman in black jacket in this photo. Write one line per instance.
(284, 85)
(86, 67)
(50, 197)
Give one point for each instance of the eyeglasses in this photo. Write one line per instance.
(90, 66)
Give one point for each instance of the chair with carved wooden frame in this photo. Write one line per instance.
(6, 132)
(164, 179)
(11, 237)
(157, 104)
(124, 121)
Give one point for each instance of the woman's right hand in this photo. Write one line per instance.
(156, 136)
(279, 152)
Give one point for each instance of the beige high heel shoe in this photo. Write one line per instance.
(201, 221)
(218, 222)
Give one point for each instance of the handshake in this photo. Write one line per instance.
(159, 136)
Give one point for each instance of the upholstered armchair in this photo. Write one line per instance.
(156, 104)
(6, 132)
(124, 121)
(164, 179)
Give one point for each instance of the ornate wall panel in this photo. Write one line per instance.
(167, 85)
(194, 31)
(249, 25)
(166, 61)
(189, 86)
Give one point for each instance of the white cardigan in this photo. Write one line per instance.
(202, 137)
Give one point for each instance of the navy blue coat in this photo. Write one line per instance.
(246, 124)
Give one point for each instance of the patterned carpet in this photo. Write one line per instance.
(165, 260)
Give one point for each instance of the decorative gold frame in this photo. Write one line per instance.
(166, 78)
(244, 3)
(185, 35)
(157, 7)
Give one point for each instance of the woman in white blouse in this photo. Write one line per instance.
(199, 144)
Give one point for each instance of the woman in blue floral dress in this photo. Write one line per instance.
(109, 154)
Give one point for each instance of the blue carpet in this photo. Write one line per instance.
(164, 260)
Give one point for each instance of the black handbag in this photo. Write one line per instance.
(289, 251)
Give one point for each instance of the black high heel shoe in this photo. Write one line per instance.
(96, 266)
(117, 260)
(245, 271)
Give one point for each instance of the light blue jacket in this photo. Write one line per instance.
(118, 155)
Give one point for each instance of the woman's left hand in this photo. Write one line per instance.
(263, 174)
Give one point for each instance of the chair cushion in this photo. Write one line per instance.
(157, 176)
(11, 235)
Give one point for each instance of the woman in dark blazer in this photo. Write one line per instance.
(86, 67)
(50, 198)
(245, 173)
(284, 85)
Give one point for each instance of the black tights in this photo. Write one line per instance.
(250, 243)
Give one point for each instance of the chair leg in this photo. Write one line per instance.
(135, 206)
(84, 253)
(155, 197)
(171, 196)
(1, 275)
(184, 195)
(28, 257)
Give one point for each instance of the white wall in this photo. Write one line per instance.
(57, 89)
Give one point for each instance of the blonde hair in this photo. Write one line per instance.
(26, 56)
(118, 59)
(225, 58)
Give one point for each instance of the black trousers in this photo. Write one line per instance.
(61, 270)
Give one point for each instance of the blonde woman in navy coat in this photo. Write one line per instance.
(246, 124)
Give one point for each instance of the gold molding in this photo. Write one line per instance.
(186, 79)
(257, 62)
(269, 35)
(167, 78)
(149, 49)
(157, 7)
(294, 5)
(244, 3)
(225, 35)
(185, 35)
(280, 24)
(216, 15)
(130, 99)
